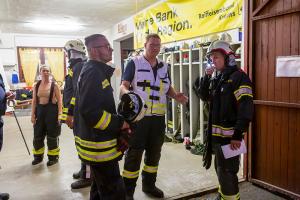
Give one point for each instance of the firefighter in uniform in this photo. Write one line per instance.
(96, 124)
(149, 78)
(75, 50)
(230, 99)
(45, 115)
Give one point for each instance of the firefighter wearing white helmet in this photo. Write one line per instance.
(75, 51)
(76, 45)
(230, 98)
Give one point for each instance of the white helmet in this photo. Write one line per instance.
(213, 37)
(76, 45)
(221, 46)
(132, 107)
(226, 37)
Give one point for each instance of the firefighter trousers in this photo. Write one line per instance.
(46, 126)
(107, 183)
(149, 137)
(227, 170)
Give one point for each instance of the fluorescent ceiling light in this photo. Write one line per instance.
(55, 25)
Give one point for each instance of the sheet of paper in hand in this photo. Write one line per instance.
(229, 153)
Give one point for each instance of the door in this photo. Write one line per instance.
(273, 29)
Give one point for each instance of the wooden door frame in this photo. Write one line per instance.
(249, 19)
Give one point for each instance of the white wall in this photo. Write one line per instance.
(7, 49)
(10, 42)
(114, 37)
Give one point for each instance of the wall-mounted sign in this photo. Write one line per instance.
(177, 20)
(122, 28)
(288, 66)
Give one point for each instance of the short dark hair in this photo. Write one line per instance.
(91, 38)
(152, 35)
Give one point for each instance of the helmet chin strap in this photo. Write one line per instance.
(230, 60)
(75, 55)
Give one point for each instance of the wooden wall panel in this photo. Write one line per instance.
(297, 154)
(275, 146)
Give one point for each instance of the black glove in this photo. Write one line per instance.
(207, 155)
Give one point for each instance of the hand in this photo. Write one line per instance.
(123, 139)
(181, 98)
(209, 70)
(122, 144)
(33, 119)
(10, 95)
(125, 126)
(69, 121)
(235, 144)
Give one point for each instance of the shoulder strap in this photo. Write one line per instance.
(37, 89)
(1, 81)
(51, 91)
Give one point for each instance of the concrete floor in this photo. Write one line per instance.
(248, 192)
(180, 171)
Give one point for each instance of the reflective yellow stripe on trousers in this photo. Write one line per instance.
(150, 169)
(39, 151)
(54, 152)
(228, 197)
(129, 174)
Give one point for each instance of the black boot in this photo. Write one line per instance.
(129, 194)
(153, 191)
(36, 160)
(52, 160)
(81, 183)
(129, 197)
(77, 175)
(4, 196)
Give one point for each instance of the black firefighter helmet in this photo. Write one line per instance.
(132, 107)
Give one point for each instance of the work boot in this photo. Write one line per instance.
(130, 193)
(81, 183)
(52, 160)
(153, 191)
(77, 175)
(128, 197)
(37, 160)
(4, 196)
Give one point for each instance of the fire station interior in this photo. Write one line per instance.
(25, 30)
